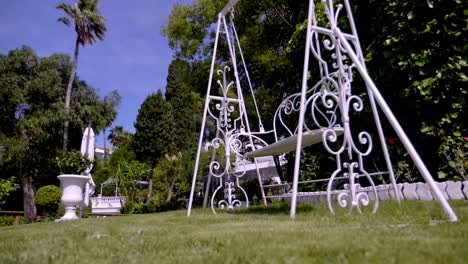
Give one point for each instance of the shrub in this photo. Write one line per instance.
(8, 220)
(87, 211)
(7, 186)
(48, 200)
(154, 205)
(72, 162)
(134, 208)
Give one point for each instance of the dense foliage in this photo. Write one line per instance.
(7, 186)
(118, 136)
(184, 104)
(154, 132)
(165, 138)
(32, 96)
(72, 162)
(417, 53)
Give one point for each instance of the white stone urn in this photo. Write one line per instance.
(72, 185)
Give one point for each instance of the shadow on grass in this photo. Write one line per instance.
(276, 208)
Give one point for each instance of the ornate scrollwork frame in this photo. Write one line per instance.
(227, 114)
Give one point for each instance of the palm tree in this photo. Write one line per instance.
(118, 136)
(90, 27)
(115, 135)
(173, 171)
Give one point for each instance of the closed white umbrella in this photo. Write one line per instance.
(87, 143)
(87, 150)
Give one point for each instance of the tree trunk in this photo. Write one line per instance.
(68, 96)
(170, 187)
(150, 182)
(104, 142)
(29, 207)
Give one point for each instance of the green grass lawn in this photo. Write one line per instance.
(413, 232)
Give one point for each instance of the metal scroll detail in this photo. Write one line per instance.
(335, 99)
(227, 113)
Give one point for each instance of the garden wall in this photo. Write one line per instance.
(453, 190)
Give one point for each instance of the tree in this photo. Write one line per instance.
(25, 118)
(118, 136)
(168, 170)
(181, 98)
(108, 112)
(89, 27)
(189, 25)
(16, 69)
(153, 132)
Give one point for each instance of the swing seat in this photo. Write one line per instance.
(289, 144)
(107, 205)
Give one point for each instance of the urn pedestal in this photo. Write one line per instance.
(72, 186)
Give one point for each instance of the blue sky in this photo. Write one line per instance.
(133, 58)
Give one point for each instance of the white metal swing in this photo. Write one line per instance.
(109, 205)
(323, 112)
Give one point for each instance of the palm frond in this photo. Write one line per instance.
(69, 10)
(64, 20)
(89, 23)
